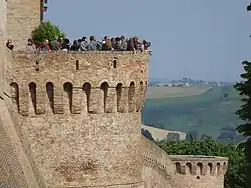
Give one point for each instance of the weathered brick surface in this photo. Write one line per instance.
(157, 168)
(6, 153)
(13, 160)
(12, 121)
(86, 149)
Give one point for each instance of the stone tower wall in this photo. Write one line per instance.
(22, 17)
(9, 164)
(82, 115)
(16, 170)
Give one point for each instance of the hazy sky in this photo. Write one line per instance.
(201, 39)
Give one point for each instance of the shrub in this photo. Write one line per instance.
(46, 30)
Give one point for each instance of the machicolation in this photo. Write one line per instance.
(108, 95)
(199, 165)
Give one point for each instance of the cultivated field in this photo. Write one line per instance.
(169, 92)
(206, 113)
(161, 134)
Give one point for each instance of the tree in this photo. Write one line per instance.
(209, 147)
(192, 135)
(244, 113)
(46, 30)
(173, 137)
(228, 128)
(249, 7)
(205, 137)
(147, 134)
(227, 136)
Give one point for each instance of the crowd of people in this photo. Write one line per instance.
(64, 44)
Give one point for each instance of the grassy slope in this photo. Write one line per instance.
(205, 113)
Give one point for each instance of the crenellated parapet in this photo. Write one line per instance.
(78, 82)
(199, 165)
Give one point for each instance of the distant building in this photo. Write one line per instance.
(178, 84)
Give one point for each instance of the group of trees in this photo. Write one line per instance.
(228, 135)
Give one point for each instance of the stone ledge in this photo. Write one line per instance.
(80, 52)
(197, 158)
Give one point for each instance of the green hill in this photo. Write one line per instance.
(206, 113)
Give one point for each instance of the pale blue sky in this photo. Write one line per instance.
(201, 39)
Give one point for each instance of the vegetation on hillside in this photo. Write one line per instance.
(46, 30)
(206, 114)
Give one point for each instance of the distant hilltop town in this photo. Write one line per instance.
(185, 82)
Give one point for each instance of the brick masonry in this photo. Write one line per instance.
(8, 159)
(73, 119)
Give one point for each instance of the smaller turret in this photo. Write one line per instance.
(200, 171)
